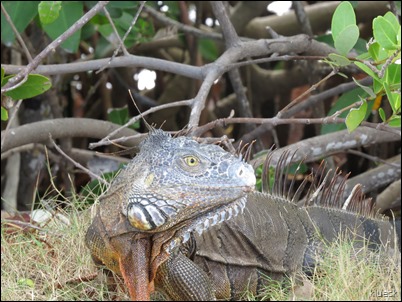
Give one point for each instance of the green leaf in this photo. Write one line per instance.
(382, 114)
(21, 13)
(95, 188)
(107, 32)
(70, 12)
(367, 70)
(339, 60)
(393, 20)
(208, 49)
(326, 38)
(346, 39)
(397, 103)
(377, 87)
(368, 90)
(35, 84)
(343, 17)
(345, 100)
(395, 121)
(2, 75)
(377, 52)
(364, 56)
(120, 116)
(384, 33)
(356, 116)
(393, 74)
(123, 4)
(392, 98)
(4, 114)
(49, 11)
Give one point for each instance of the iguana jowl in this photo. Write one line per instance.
(176, 189)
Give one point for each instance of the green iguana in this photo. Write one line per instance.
(183, 218)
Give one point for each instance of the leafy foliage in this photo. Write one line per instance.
(120, 116)
(379, 62)
(49, 11)
(34, 85)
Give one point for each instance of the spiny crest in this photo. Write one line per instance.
(326, 189)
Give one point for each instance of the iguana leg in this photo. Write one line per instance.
(181, 279)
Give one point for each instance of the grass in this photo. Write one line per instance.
(344, 274)
(51, 262)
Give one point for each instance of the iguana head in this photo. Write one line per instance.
(172, 180)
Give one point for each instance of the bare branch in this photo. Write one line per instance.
(76, 26)
(125, 61)
(302, 18)
(78, 165)
(229, 34)
(106, 139)
(317, 147)
(185, 28)
(275, 121)
(38, 132)
(121, 41)
(312, 88)
(376, 178)
(10, 122)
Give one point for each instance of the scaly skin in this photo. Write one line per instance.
(172, 187)
(169, 222)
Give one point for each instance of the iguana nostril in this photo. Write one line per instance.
(245, 173)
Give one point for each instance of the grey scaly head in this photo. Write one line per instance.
(178, 181)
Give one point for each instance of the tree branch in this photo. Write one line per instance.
(317, 147)
(44, 53)
(38, 132)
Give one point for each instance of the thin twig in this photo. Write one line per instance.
(4, 89)
(134, 21)
(121, 41)
(312, 88)
(78, 165)
(185, 28)
(274, 59)
(16, 33)
(52, 46)
(275, 121)
(319, 97)
(388, 62)
(339, 112)
(375, 159)
(106, 140)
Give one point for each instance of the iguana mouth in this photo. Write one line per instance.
(155, 213)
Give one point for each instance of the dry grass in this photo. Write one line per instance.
(344, 274)
(49, 261)
(47, 264)
(52, 263)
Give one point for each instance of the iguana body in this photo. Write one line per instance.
(171, 222)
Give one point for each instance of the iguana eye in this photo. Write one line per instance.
(191, 161)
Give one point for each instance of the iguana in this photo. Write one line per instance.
(183, 218)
